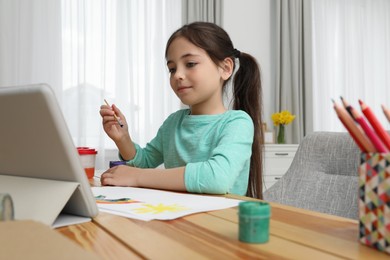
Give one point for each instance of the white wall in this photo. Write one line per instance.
(248, 23)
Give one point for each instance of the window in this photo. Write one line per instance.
(351, 56)
(115, 50)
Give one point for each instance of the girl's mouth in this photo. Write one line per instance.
(182, 89)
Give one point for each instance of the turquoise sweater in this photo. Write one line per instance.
(215, 150)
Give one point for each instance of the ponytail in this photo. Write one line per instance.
(247, 95)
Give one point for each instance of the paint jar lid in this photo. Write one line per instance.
(116, 163)
(257, 209)
(86, 150)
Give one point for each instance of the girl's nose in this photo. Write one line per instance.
(179, 74)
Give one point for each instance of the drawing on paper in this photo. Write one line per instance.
(101, 199)
(148, 204)
(159, 208)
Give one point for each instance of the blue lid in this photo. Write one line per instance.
(116, 163)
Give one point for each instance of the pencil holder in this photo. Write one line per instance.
(254, 221)
(374, 200)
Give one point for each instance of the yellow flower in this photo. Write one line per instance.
(282, 118)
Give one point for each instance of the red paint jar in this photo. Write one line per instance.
(88, 158)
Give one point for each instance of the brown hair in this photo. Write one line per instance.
(247, 90)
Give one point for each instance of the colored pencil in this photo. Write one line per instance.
(386, 111)
(376, 141)
(356, 133)
(380, 131)
(347, 106)
(116, 118)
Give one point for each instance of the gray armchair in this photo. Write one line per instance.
(322, 177)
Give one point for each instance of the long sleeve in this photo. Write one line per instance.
(227, 169)
(215, 150)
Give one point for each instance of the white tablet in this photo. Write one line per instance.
(36, 149)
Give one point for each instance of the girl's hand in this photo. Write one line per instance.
(111, 125)
(121, 175)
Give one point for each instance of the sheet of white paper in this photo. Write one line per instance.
(148, 204)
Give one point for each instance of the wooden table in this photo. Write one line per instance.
(294, 234)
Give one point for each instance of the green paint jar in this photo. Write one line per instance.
(254, 219)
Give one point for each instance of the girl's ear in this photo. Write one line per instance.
(227, 66)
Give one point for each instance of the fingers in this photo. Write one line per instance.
(110, 120)
(117, 111)
(106, 110)
(106, 179)
(121, 175)
(112, 114)
(107, 115)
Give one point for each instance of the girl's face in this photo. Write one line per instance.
(195, 78)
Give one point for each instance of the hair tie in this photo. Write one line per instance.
(236, 53)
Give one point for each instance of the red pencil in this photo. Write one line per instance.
(383, 135)
(356, 133)
(386, 111)
(381, 148)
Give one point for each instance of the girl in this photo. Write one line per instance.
(206, 148)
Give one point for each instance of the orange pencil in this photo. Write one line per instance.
(357, 134)
(347, 106)
(376, 141)
(383, 135)
(386, 111)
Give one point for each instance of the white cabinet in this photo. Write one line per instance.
(277, 160)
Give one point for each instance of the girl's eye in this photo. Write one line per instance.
(191, 64)
(171, 70)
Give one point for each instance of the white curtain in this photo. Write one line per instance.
(30, 42)
(293, 58)
(91, 50)
(351, 56)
